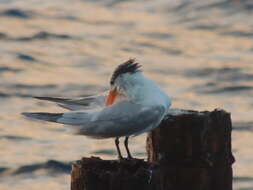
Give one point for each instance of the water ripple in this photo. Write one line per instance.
(17, 13)
(52, 166)
(43, 35)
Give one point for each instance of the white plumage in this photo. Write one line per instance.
(134, 105)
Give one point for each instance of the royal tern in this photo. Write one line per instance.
(133, 105)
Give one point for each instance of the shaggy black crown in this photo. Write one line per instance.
(129, 66)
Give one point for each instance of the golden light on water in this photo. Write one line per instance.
(203, 60)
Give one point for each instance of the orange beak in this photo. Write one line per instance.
(111, 97)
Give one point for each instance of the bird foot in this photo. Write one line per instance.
(130, 158)
(125, 159)
(120, 158)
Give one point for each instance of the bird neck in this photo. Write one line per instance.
(145, 92)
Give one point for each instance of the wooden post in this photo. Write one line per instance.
(193, 150)
(189, 150)
(96, 174)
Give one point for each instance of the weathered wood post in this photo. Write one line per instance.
(189, 150)
(96, 174)
(193, 150)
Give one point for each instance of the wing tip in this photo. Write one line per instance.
(38, 97)
(53, 117)
(26, 114)
(43, 97)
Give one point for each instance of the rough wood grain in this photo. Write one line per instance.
(96, 174)
(193, 150)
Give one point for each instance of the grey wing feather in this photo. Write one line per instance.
(120, 119)
(53, 117)
(70, 118)
(78, 103)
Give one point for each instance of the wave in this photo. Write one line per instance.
(25, 57)
(17, 13)
(42, 35)
(15, 138)
(52, 167)
(4, 69)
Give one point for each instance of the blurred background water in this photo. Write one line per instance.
(199, 51)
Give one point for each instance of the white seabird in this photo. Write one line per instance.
(133, 105)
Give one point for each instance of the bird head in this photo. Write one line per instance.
(124, 79)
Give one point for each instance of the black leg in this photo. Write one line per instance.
(118, 149)
(129, 156)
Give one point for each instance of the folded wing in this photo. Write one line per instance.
(121, 119)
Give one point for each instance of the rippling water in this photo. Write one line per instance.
(200, 52)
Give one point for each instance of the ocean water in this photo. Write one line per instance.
(199, 52)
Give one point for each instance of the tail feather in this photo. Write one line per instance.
(52, 99)
(53, 117)
(84, 101)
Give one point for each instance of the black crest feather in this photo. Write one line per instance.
(129, 66)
